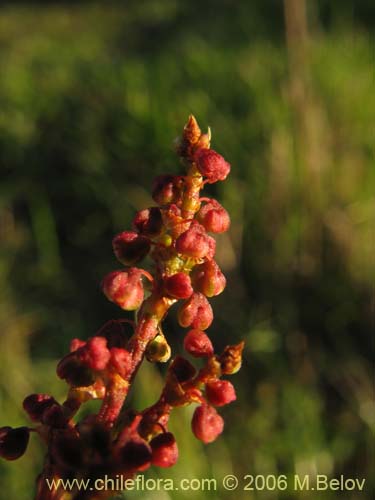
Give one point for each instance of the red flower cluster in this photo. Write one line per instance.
(117, 440)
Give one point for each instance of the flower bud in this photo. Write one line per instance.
(196, 243)
(211, 165)
(124, 288)
(207, 424)
(36, 404)
(178, 286)
(220, 392)
(95, 354)
(164, 450)
(13, 442)
(213, 217)
(149, 222)
(121, 360)
(196, 312)
(208, 279)
(198, 344)
(130, 247)
(158, 350)
(167, 189)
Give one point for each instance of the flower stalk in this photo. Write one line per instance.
(175, 235)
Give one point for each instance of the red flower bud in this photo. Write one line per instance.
(198, 344)
(164, 450)
(196, 243)
(178, 286)
(36, 404)
(130, 247)
(149, 222)
(95, 354)
(196, 312)
(167, 189)
(207, 424)
(208, 279)
(124, 288)
(121, 360)
(13, 442)
(211, 165)
(214, 217)
(220, 392)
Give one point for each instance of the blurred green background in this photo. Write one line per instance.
(91, 98)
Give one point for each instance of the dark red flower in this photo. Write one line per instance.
(207, 424)
(198, 344)
(211, 165)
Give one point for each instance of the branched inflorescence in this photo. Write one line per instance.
(117, 440)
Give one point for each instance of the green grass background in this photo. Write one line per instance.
(91, 98)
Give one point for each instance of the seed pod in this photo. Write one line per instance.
(208, 279)
(130, 247)
(178, 286)
(213, 217)
(207, 424)
(196, 243)
(95, 354)
(198, 344)
(211, 165)
(220, 392)
(164, 450)
(13, 442)
(149, 222)
(167, 189)
(196, 312)
(36, 404)
(76, 373)
(124, 288)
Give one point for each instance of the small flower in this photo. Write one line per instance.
(214, 217)
(211, 165)
(208, 279)
(207, 424)
(164, 450)
(130, 247)
(149, 222)
(195, 312)
(178, 285)
(124, 288)
(196, 243)
(220, 392)
(35, 405)
(95, 354)
(13, 442)
(198, 344)
(167, 189)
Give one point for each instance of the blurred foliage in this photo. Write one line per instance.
(91, 96)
